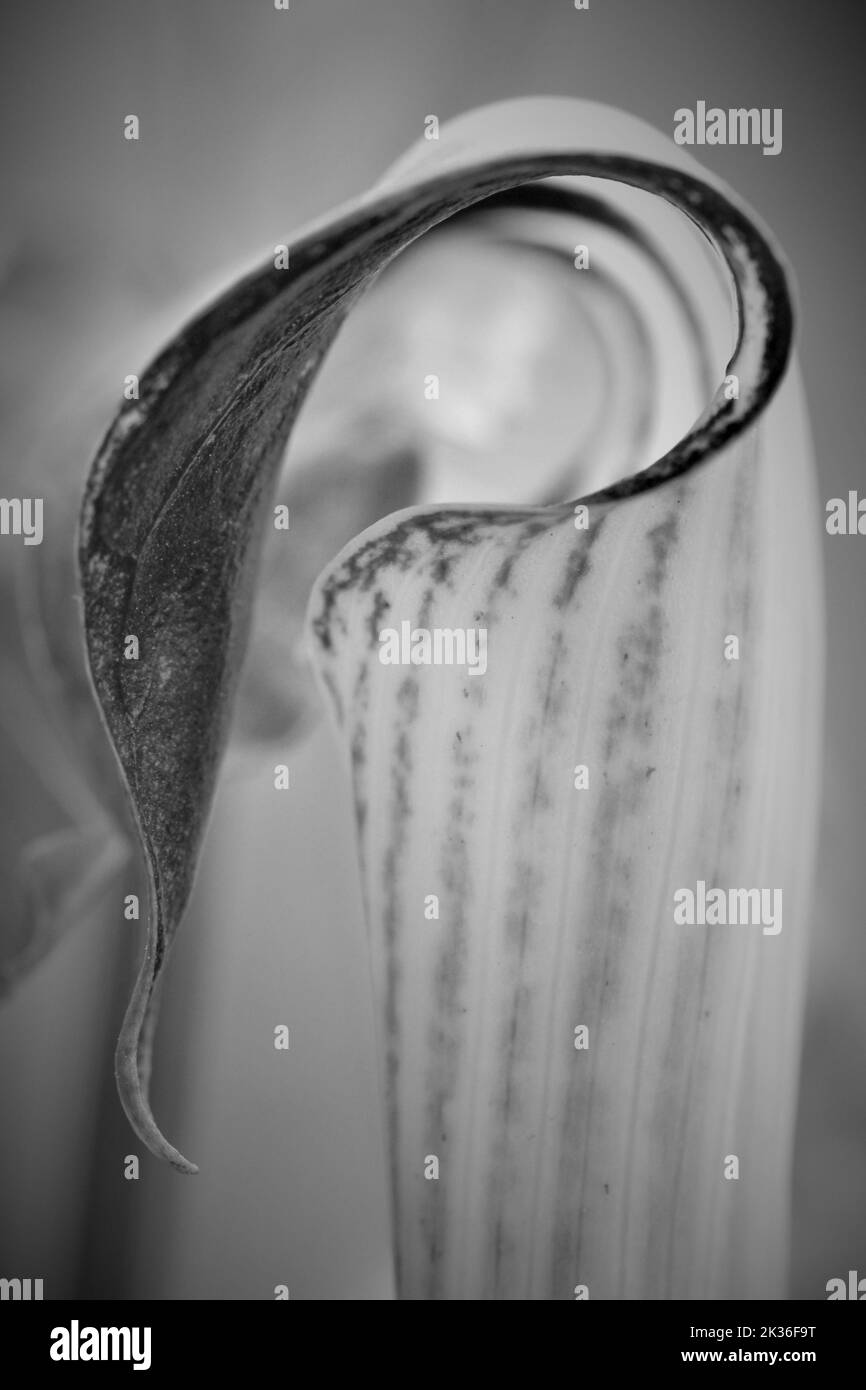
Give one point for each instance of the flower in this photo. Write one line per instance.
(571, 1077)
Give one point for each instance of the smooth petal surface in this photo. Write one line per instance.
(601, 1166)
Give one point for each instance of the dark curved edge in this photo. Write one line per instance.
(398, 219)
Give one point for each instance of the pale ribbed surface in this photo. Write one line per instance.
(602, 1167)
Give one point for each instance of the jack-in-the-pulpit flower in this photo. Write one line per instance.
(581, 735)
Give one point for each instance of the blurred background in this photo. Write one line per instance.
(252, 123)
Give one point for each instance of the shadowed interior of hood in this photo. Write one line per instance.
(539, 346)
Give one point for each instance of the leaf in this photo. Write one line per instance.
(508, 909)
(601, 1167)
(179, 495)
